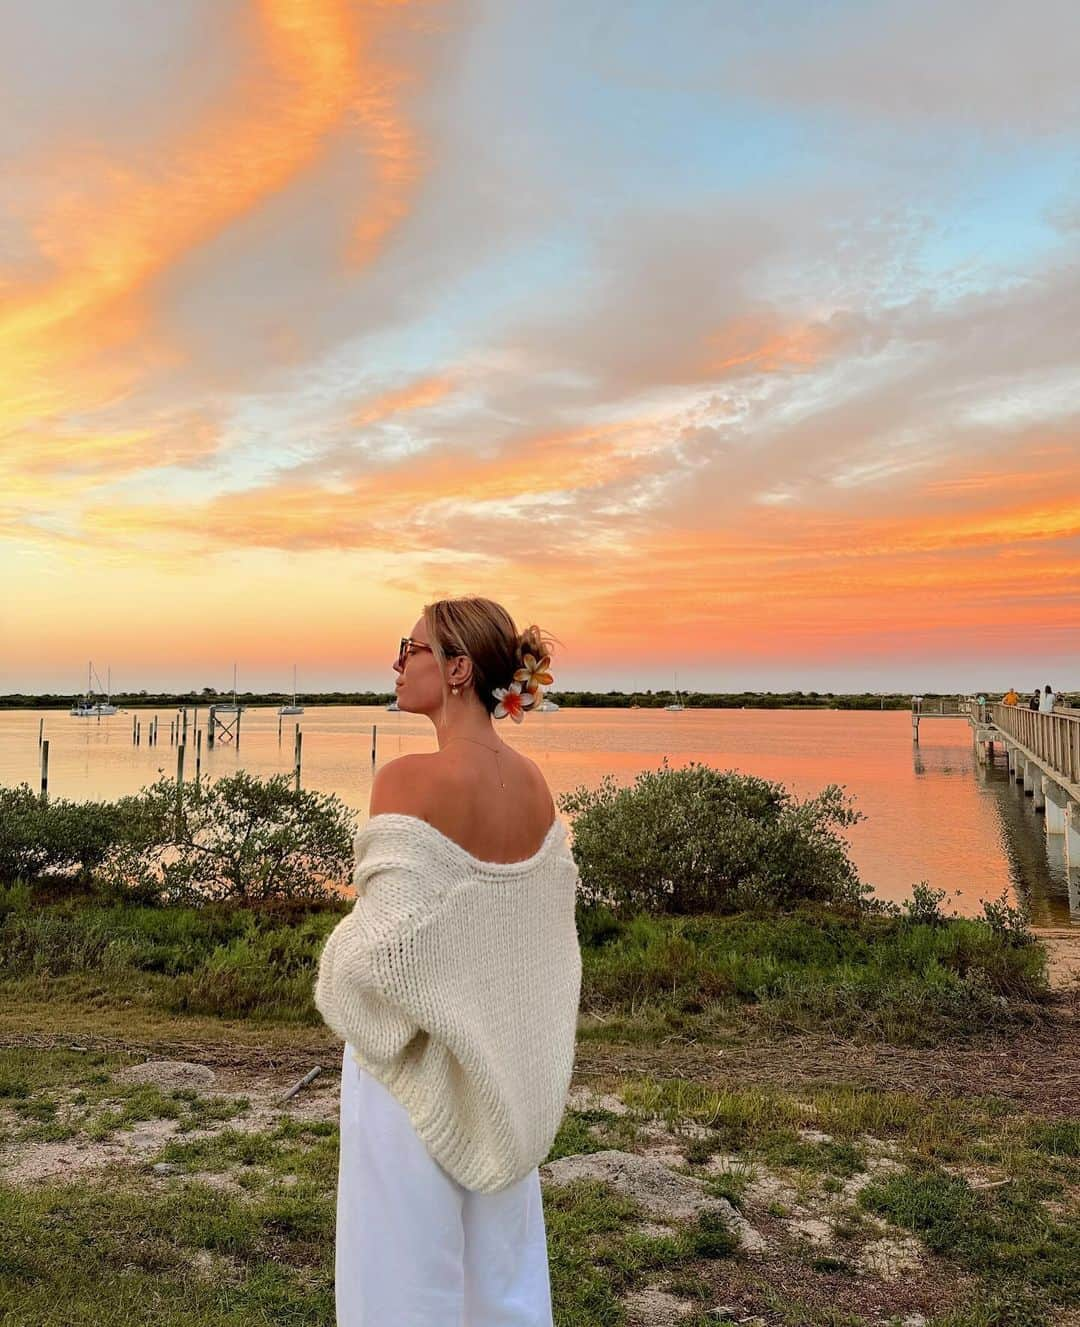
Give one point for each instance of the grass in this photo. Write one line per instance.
(181, 1251)
(127, 1247)
(877, 977)
(113, 1254)
(874, 977)
(1006, 1236)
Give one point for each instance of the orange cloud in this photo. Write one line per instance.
(397, 165)
(125, 452)
(783, 582)
(374, 507)
(107, 239)
(757, 343)
(415, 396)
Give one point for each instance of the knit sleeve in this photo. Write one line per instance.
(350, 993)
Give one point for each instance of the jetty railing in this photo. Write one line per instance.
(941, 707)
(1054, 739)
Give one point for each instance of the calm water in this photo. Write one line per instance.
(933, 813)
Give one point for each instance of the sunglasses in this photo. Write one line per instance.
(409, 646)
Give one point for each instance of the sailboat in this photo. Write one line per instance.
(293, 708)
(233, 707)
(88, 707)
(677, 703)
(547, 705)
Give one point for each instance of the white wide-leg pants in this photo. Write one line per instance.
(414, 1247)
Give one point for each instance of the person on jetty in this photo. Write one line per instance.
(454, 982)
(1047, 700)
(1036, 699)
(1011, 697)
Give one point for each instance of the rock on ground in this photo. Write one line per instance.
(659, 1191)
(167, 1074)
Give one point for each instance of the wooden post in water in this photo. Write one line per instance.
(179, 785)
(198, 755)
(134, 729)
(238, 730)
(40, 731)
(374, 727)
(184, 737)
(138, 733)
(45, 770)
(211, 725)
(296, 754)
(279, 727)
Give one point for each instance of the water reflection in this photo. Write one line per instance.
(1038, 869)
(932, 811)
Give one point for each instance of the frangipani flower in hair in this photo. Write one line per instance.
(513, 701)
(534, 672)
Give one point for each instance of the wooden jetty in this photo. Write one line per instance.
(1043, 753)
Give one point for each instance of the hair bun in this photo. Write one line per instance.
(530, 677)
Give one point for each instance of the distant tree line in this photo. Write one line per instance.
(709, 700)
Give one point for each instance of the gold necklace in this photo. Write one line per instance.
(493, 749)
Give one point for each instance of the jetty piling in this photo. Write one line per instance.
(298, 742)
(180, 786)
(1042, 752)
(45, 770)
(374, 726)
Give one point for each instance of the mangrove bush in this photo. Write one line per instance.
(698, 839)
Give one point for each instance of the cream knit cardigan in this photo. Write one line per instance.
(456, 982)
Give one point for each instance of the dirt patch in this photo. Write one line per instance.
(1035, 1068)
(652, 1307)
(29, 1163)
(1063, 955)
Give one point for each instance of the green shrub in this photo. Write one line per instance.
(22, 843)
(53, 837)
(924, 906)
(697, 840)
(1011, 923)
(240, 838)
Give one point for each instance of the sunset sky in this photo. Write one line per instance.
(738, 339)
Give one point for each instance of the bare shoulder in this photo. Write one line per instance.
(404, 786)
(541, 783)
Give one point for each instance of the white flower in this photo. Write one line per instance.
(513, 701)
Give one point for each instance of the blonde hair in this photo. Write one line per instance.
(485, 631)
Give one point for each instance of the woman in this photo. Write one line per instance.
(454, 982)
